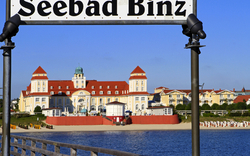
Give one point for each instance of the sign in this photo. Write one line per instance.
(102, 11)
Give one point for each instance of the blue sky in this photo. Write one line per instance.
(110, 53)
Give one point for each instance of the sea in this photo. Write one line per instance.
(155, 143)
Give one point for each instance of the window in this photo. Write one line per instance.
(76, 86)
(59, 101)
(43, 83)
(59, 93)
(108, 100)
(228, 95)
(92, 87)
(142, 98)
(101, 92)
(136, 88)
(43, 99)
(43, 89)
(52, 93)
(82, 87)
(38, 89)
(81, 100)
(100, 87)
(81, 93)
(67, 87)
(38, 83)
(76, 81)
(108, 87)
(136, 107)
(221, 96)
(142, 106)
(100, 100)
(178, 96)
(37, 99)
(51, 87)
(59, 87)
(142, 88)
(170, 95)
(136, 82)
(43, 106)
(82, 81)
(68, 92)
(116, 92)
(93, 92)
(51, 101)
(93, 101)
(136, 98)
(109, 92)
(116, 99)
(115, 87)
(141, 82)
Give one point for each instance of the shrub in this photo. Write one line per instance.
(210, 115)
(38, 109)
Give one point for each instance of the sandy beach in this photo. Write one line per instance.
(132, 127)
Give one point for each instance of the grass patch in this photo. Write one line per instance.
(27, 120)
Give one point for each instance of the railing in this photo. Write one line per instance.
(57, 145)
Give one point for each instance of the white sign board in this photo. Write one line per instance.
(102, 11)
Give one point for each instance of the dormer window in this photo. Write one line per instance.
(68, 92)
(108, 87)
(100, 87)
(92, 87)
(59, 93)
(101, 92)
(59, 87)
(52, 93)
(115, 87)
(116, 92)
(109, 92)
(93, 92)
(67, 87)
(51, 87)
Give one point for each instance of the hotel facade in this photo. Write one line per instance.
(81, 94)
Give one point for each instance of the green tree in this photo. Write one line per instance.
(229, 107)
(37, 109)
(205, 106)
(214, 106)
(180, 107)
(188, 106)
(241, 105)
(224, 106)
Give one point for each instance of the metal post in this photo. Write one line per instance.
(6, 97)
(194, 45)
(195, 101)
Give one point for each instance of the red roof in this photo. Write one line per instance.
(138, 77)
(137, 70)
(162, 88)
(240, 98)
(39, 78)
(39, 70)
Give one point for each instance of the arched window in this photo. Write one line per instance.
(136, 107)
(81, 100)
(92, 107)
(142, 106)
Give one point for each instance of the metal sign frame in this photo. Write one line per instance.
(103, 22)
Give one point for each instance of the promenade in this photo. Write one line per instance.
(132, 127)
